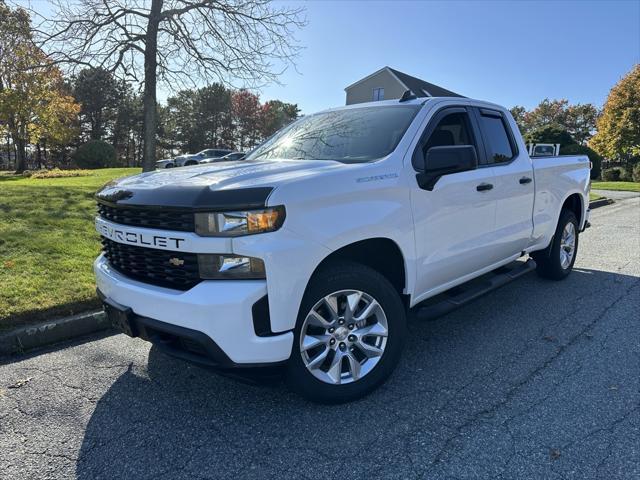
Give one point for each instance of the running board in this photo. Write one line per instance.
(458, 296)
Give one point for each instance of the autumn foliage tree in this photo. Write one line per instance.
(246, 114)
(578, 120)
(34, 103)
(618, 136)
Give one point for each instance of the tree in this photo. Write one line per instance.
(181, 121)
(33, 100)
(618, 136)
(214, 115)
(246, 117)
(176, 41)
(95, 154)
(578, 120)
(98, 92)
(550, 134)
(518, 113)
(275, 115)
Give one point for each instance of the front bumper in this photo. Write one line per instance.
(220, 311)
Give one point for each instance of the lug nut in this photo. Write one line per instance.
(332, 341)
(352, 338)
(331, 330)
(352, 349)
(341, 322)
(342, 346)
(351, 325)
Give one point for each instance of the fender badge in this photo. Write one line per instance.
(376, 177)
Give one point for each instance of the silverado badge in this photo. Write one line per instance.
(176, 262)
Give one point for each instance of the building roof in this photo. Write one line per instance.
(419, 87)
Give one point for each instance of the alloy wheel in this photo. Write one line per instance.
(567, 245)
(343, 337)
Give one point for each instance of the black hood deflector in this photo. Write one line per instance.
(191, 197)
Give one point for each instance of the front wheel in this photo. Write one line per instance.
(349, 334)
(556, 261)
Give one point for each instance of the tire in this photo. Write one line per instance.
(369, 348)
(551, 262)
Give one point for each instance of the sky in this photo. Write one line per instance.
(507, 52)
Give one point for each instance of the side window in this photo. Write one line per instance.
(378, 94)
(499, 147)
(453, 129)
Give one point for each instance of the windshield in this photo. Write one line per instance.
(351, 136)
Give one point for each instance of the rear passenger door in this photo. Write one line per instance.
(513, 182)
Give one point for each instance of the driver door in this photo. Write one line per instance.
(455, 220)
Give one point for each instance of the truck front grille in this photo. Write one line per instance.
(149, 217)
(157, 267)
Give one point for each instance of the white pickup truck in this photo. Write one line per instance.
(308, 253)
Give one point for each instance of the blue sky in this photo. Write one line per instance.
(506, 52)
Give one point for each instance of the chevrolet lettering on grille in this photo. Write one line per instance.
(136, 238)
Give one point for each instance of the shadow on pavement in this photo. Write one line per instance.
(465, 394)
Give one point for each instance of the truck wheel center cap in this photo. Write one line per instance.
(341, 333)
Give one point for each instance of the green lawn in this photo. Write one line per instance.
(594, 196)
(47, 245)
(625, 186)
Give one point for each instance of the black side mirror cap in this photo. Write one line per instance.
(445, 160)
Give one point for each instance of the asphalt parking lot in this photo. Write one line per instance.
(535, 380)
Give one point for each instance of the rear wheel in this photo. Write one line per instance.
(556, 261)
(349, 334)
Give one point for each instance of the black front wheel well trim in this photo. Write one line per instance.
(380, 253)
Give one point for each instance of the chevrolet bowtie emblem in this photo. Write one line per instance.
(176, 262)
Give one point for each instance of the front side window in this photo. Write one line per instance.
(499, 147)
(352, 135)
(454, 129)
(378, 94)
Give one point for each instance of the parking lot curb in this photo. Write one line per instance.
(33, 336)
(601, 202)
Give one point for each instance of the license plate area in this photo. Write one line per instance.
(121, 318)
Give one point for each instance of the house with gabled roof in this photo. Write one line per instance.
(388, 83)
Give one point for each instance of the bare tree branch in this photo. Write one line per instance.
(239, 43)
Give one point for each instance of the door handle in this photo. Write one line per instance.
(524, 180)
(484, 187)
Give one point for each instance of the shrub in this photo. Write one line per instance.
(57, 173)
(596, 160)
(635, 175)
(550, 134)
(615, 174)
(27, 173)
(95, 154)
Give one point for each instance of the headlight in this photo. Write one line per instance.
(230, 267)
(234, 224)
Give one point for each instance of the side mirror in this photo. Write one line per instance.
(445, 160)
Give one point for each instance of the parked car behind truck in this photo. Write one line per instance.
(308, 253)
(192, 159)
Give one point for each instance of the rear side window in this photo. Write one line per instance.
(499, 146)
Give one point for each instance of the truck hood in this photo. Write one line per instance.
(225, 185)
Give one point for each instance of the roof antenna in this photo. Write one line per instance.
(407, 95)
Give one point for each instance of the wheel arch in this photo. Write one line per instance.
(379, 253)
(574, 203)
